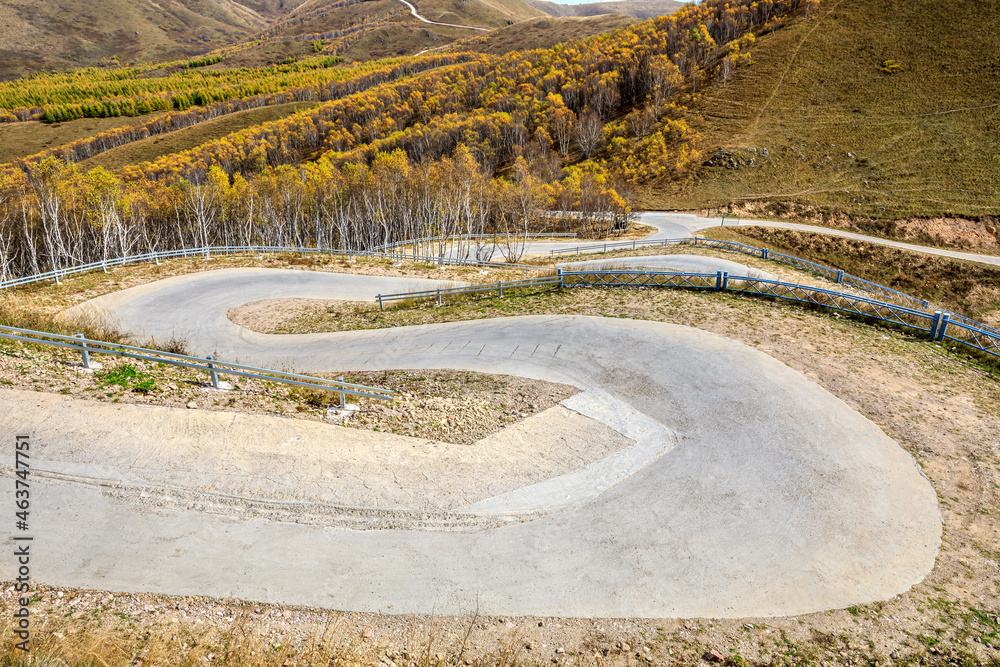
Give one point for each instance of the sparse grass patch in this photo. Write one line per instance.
(126, 376)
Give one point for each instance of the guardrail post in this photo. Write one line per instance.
(212, 373)
(58, 282)
(696, 240)
(945, 319)
(343, 396)
(500, 285)
(718, 281)
(156, 257)
(633, 244)
(725, 280)
(840, 276)
(561, 285)
(935, 323)
(578, 251)
(104, 265)
(83, 351)
(439, 296)
(763, 253)
(380, 305)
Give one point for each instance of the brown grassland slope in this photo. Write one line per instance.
(486, 13)
(399, 38)
(873, 109)
(18, 140)
(639, 9)
(361, 31)
(543, 33)
(72, 33)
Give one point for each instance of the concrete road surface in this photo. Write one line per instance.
(740, 489)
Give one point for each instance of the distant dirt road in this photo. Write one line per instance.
(413, 10)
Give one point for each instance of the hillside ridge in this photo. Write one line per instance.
(39, 36)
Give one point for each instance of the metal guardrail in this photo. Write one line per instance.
(86, 346)
(835, 275)
(471, 289)
(464, 237)
(973, 324)
(937, 326)
(832, 274)
(597, 247)
(58, 274)
(443, 259)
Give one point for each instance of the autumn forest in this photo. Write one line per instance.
(456, 142)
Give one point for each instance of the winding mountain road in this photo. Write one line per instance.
(724, 485)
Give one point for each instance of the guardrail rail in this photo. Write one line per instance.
(497, 238)
(834, 275)
(207, 251)
(87, 346)
(937, 326)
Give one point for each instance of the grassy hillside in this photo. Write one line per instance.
(399, 39)
(872, 109)
(47, 35)
(273, 7)
(543, 33)
(19, 140)
(639, 9)
(487, 12)
(363, 30)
